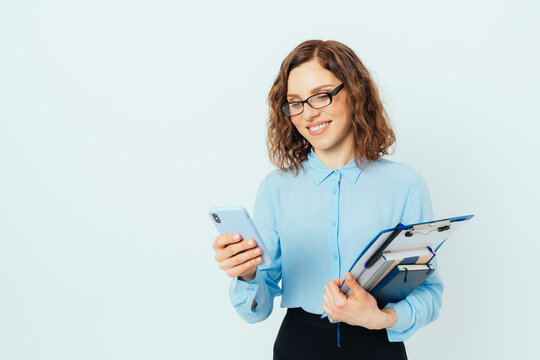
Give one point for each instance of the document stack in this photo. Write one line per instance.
(399, 259)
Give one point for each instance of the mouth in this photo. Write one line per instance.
(318, 128)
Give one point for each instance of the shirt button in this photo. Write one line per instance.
(334, 256)
(333, 223)
(334, 190)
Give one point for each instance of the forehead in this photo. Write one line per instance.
(308, 76)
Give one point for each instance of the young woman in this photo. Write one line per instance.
(331, 194)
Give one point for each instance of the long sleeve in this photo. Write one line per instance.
(422, 305)
(264, 287)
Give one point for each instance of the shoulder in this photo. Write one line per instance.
(278, 178)
(392, 170)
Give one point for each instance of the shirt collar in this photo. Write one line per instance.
(320, 172)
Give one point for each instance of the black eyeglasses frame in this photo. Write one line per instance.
(330, 94)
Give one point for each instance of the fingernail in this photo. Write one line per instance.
(250, 242)
(259, 259)
(236, 237)
(348, 276)
(257, 251)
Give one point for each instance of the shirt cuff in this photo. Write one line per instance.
(241, 291)
(405, 316)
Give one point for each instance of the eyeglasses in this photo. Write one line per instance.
(316, 101)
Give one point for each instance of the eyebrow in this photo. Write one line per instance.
(312, 91)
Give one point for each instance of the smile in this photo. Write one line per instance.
(319, 129)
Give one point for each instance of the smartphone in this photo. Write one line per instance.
(235, 219)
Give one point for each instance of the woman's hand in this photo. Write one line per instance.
(359, 309)
(237, 257)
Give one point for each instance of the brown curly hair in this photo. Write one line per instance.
(373, 134)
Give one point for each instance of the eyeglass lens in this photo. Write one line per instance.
(316, 101)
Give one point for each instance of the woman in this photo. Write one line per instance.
(331, 194)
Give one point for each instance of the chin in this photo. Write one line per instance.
(321, 147)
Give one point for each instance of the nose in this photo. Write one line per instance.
(309, 113)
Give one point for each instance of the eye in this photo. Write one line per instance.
(295, 105)
(320, 97)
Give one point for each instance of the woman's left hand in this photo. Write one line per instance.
(359, 309)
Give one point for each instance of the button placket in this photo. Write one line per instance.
(334, 223)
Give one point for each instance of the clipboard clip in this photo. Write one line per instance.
(426, 229)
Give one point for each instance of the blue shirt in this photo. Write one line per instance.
(315, 225)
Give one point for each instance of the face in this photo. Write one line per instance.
(336, 134)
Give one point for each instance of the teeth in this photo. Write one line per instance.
(318, 127)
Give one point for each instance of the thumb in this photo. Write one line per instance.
(353, 285)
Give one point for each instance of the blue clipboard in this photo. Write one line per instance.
(430, 234)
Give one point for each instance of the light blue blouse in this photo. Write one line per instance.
(315, 225)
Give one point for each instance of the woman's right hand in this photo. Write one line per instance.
(237, 257)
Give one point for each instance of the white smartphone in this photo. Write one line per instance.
(235, 219)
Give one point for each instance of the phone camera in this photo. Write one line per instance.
(216, 218)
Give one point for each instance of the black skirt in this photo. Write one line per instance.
(303, 335)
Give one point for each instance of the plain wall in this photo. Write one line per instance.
(121, 122)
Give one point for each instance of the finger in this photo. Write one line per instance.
(233, 249)
(328, 301)
(240, 258)
(329, 311)
(337, 296)
(329, 296)
(244, 268)
(333, 287)
(353, 285)
(223, 240)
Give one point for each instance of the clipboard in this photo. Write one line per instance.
(430, 234)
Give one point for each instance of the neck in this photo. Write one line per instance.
(337, 156)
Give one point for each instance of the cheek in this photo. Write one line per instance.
(296, 122)
(344, 120)
(340, 111)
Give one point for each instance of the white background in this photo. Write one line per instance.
(121, 122)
